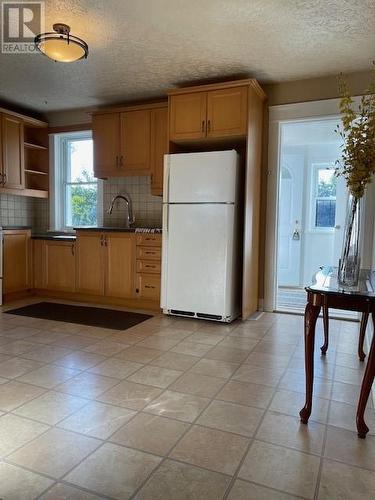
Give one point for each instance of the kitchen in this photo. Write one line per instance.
(145, 151)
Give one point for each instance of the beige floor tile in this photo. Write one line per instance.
(243, 490)
(98, 420)
(21, 332)
(191, 348)
(258, 375)
(87, 385)
(205, 338)
(348, 393)
(17, 484)
(344, 446)
(115, 368)
(175, 361)
(345, 482)
(295, 381)
(225, 353)
(350, 361)
(65, 492)
(14, 394)
(343, 415)
(130, 395)
(150, 433)
(160, 343)
(215, 368)
(139, 354)
(348, 375)
(46, 353)
(16, 431)
(80, 360)
(246, 394)
(231, 417)
(55, 452)
(114, 471)
(285, 430)
(46, 337)
(176, 481)
(106, 347)
(212, 449)
(16, 347)
(199, 385)
(185, 407)
(69, 328)
(266, 359)
(48, 376)
(291, 403)
(281, 468)
(239, 343)
(15, 367)
(51, 407)
(155, 376)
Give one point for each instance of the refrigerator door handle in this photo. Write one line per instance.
(166, 178)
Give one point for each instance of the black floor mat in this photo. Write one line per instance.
(82, 315)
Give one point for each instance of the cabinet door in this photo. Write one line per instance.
(227, 112)
(148, 286)
(120, 264)
(187, 119)
(16, 261)
(135, 142)
(90, 263)
(13, 152)
(159, 147)
(60, 273)
(106, 136)
(38, 264)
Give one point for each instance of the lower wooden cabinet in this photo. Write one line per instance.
(17, 261)
(148, 286)
(89, 263)
(119, 264)
(148, 277)
(60, 268)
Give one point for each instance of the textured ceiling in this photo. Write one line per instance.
(139, 48)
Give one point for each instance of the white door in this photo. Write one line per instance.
(196, 257)
(290, 220)
(201, 177)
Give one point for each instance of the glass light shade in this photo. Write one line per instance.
(60, 50)
(60, 45)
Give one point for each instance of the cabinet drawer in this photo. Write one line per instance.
(149, 253)
(148, 286)
(149, 240)
(146, 266)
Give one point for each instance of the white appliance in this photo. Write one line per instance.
(200, 255)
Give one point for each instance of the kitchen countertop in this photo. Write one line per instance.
(14, 228)
(121, 229)
(58, 237)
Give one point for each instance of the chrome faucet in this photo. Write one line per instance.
(128, 201)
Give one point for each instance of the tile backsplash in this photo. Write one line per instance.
(146, 207)
(23, 211)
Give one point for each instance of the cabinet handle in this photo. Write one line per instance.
(202, 125)
(209, 126)
(4, 181)
(151, 267)
(121, 161)
(105, 241)
(117, 165)
(149, 286)
(73, 249)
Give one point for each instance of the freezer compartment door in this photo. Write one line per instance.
(198, 255)
(210, 177)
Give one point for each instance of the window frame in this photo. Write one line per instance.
(59, 183)
(314, 197)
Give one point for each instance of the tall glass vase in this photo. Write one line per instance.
(350, 262)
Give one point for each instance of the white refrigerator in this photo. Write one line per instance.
(200, 253)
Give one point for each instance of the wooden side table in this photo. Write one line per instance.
(326, 292)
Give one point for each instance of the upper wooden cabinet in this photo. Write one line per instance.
(106, 136)
(188, 114)
(159, 147)
(135, 142)
(12, 174)
(208, 112)
(128, 141)
(17, 253)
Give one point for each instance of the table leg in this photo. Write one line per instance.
(325, 327)
(311, 315)
(367, 381)
(362, 333)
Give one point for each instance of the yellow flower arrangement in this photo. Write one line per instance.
(357, 162)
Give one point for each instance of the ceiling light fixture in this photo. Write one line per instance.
(60, 45)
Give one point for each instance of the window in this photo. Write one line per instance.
(75, 199)
(324, 193)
